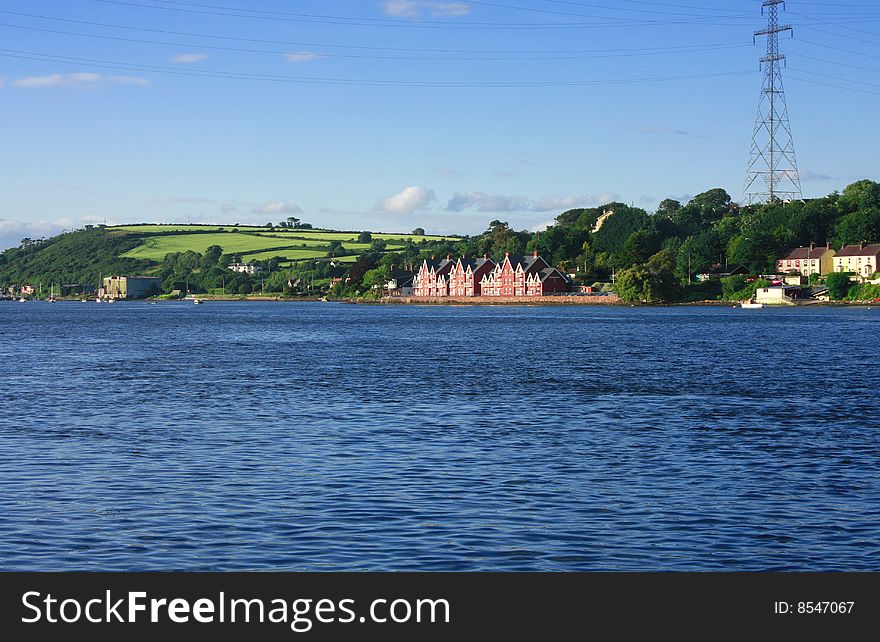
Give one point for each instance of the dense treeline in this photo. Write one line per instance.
(81, 256)
(654, 257)
(651, 257)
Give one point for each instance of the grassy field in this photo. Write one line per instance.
(295, 245)
(315, 234)
(155, 249)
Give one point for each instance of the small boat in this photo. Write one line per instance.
(751, 305)
(197, 301)
(22, 300)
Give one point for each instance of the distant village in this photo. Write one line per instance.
(797, 279)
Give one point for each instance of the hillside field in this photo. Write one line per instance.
(252, 243)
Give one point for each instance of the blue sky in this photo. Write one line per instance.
(391, 115)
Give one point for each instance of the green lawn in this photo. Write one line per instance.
(155, 249)
(291, 254)
(252, 246)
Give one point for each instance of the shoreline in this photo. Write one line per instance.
(598, 301)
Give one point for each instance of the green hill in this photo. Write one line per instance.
(83, 256)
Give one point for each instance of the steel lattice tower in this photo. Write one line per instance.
(772, 175)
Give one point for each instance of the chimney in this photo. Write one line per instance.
(536, 253)
(862, 245)
(486, 257)
(448, 257)
(811, 246)
(507, 254)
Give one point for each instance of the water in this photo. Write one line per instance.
(336, 437)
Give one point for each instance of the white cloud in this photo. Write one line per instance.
(188, 57)
(79, 80)
(277, 207)
(416, 8)
(406, 202)
(487, 202)
(302, 56)
(503, 203)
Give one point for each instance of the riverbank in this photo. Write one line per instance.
(494, 300)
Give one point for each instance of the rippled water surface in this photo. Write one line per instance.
(329, 436)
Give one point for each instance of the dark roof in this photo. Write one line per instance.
(403, 278)
(475, 264)
(550, 271)
(858, 250)
(442, 266)
(806, 253)
(527, 262)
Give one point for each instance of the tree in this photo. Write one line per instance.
(862, 226)
(618, 227)
(668, 207)
(377, 277)
(697, 254)
(652, 282)
(419, 231)
(839, 284)
(641, 245)
(702, 210)
(860, 195)
(211, 256)
(292, 221)
(335, 248)
(365, 237)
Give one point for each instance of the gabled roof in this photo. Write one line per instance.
(526, 263)
(440, 267)
(551, 271)
(858, 250)
(807, 253)
(403, 278)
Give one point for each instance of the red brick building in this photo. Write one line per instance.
(523, 276)
(515, 276)
(432, 278)
(466, 278)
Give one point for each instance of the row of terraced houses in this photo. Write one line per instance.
(862, 259)
(467, 277)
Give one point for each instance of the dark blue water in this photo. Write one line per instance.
(328, 436)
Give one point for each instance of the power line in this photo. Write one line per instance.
(825, 84)
(326, 45)
(409, 57)
(689, 8)
(839, 64)
(838, 78)
(214, 10)
(109, 64)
